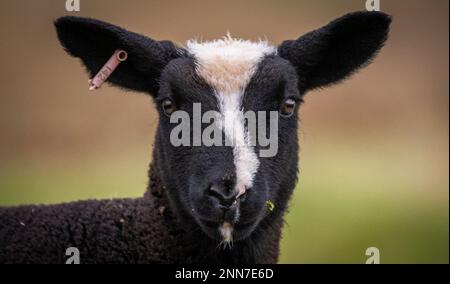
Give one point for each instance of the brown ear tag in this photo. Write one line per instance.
(118, 57)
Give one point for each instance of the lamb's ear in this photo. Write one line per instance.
(95, 42)
(333, 52)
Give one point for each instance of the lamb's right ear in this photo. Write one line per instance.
(95, 42)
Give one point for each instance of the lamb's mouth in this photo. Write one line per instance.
(230, 227)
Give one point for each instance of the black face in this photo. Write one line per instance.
(205, 179)
(201, 180)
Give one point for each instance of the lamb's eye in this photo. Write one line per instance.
(287, 108)
(168, 107)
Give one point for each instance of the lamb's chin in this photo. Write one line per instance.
(227, 233)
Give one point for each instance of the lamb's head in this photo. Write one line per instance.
(227, 146)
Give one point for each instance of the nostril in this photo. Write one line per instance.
(215, 192)
(226, 198)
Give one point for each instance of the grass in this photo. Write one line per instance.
(337, 227)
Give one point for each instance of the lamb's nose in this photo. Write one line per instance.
(224, 193)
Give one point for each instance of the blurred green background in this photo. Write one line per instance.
(374, 158)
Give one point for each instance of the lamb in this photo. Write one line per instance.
(204, 204)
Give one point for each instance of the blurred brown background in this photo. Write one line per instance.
(374, 168)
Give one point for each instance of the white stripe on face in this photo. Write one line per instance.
(228, 65)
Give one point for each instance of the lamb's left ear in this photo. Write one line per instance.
(95, 42)
(333, 52)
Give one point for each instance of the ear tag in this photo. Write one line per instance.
(106, 71)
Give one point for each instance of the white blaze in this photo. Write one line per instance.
(227, 65)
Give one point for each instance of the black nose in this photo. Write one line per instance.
(224, 192)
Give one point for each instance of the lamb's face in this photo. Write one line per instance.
(228, 183)
(226, 173)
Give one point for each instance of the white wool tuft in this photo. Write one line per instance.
(227, 64)
(226, 230)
